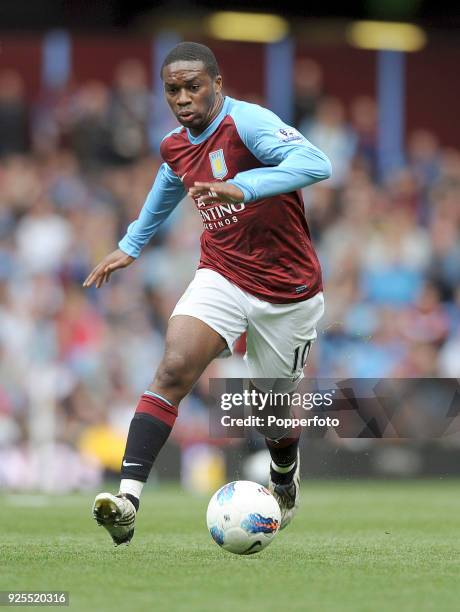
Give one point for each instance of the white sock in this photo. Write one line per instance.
(133, 487)
(282, 470)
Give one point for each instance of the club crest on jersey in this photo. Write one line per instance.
(288, 134)
(218, 165)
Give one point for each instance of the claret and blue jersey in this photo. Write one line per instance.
(263, 243)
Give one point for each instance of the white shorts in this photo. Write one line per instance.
(278, 335)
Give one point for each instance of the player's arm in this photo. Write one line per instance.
(165, 195)
(291, 161)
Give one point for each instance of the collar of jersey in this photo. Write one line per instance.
(212, 127)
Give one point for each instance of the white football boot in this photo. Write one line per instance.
(287, 495)
(117, 514)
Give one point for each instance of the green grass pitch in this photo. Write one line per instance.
(355, 546)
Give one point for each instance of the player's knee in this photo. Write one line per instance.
(174, 374)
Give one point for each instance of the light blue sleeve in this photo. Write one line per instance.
(165, 195)
(293, 162)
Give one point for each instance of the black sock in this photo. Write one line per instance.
(283, 453)
(148, 431)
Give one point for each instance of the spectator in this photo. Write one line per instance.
(14, 120)
(129, 111)
(329, 131)
(90, 127)
(363, 112)
(308, 91)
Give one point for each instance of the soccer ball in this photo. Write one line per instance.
(243, 517)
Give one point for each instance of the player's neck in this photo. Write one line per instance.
(217, 107)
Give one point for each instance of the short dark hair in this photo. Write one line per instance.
(192, 52)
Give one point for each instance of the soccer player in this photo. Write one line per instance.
(258, 273)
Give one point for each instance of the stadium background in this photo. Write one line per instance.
(81, 117)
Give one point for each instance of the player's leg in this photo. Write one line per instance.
(190, 346)
(205, 323)
(281, 441)
(278, 342)
(283, 445)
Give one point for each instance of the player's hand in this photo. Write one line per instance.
(210, 193)
(104, 269)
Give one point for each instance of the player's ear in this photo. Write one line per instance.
(218, 84)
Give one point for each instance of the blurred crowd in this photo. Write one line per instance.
(75, 167)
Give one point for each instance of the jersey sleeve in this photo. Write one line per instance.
(291, 161)
(166, 193)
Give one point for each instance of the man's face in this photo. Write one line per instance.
(191, 93)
